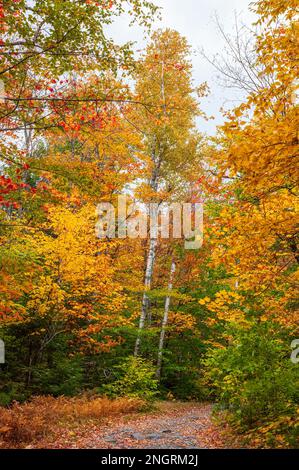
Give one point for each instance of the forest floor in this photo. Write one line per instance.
(171, 425)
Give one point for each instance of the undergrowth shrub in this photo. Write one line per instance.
(255, 380)
(65, 377)
(135, 377)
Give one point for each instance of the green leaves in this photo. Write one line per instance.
(253, 376)
(135, 377)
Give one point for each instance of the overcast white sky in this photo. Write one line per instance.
(194, 19)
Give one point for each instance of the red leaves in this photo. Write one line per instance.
(178, 67)
(8, 186)
(104, 4)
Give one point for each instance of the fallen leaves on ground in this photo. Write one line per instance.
(170, 425)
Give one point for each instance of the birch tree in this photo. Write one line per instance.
(167, 122)
(165, 320)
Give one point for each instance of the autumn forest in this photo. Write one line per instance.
(99, 329)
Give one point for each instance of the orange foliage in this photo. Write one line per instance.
(24, 423)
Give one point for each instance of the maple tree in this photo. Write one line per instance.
(255, 239)
(260, 144)
(65, 145)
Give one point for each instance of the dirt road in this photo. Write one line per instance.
(170, 426)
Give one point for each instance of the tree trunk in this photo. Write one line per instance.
(165, 320)
(147, 285)
(154, 181)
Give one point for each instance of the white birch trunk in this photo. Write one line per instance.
(147, 285)
(153, 240)
(165, 321)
